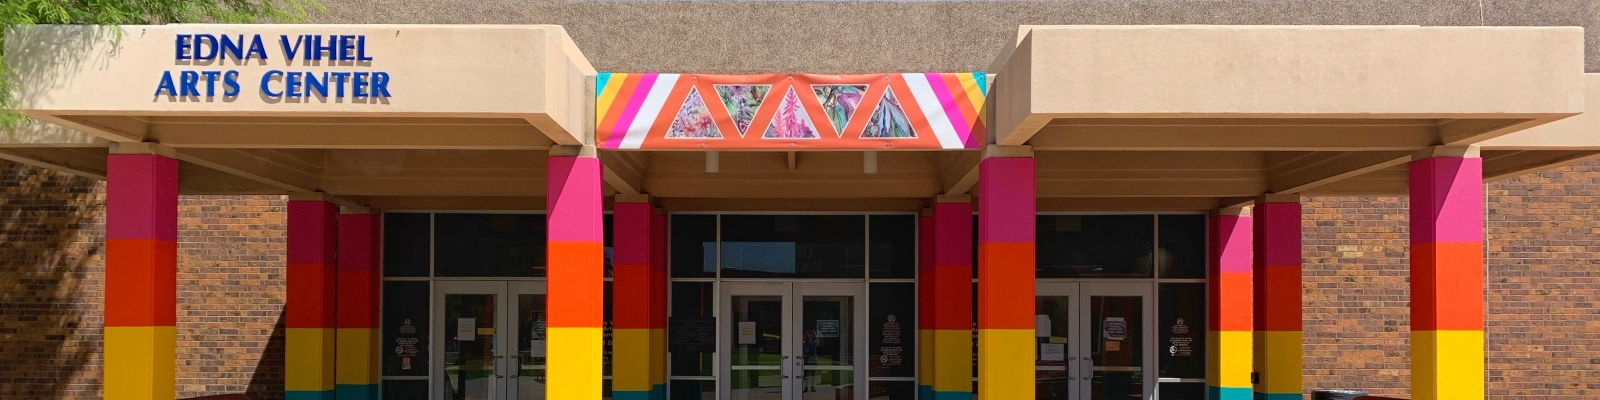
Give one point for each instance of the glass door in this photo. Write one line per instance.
(792, 341)
(1056, 364)
(525, 369)
(480, 324)
(1116, 351)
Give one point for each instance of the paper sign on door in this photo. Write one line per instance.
(747, 332)
(466, 329)
(536, 348)
(1052, 352)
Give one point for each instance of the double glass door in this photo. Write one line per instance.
(792, 341)
(1092, 341)
(494, 340)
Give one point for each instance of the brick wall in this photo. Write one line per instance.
(1543, 327)
(52, 270)
(1543, 279)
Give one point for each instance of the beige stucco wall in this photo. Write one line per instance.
(879, 36)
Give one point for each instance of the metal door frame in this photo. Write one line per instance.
(1148, 330)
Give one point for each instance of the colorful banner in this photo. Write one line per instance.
(914, 111)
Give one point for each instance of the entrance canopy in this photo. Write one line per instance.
(1117, 117)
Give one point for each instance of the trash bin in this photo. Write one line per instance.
(1337, 394)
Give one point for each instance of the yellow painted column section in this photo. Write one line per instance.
(140, 362)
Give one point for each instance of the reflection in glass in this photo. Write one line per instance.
(405, 244)
(1116, 339)
(793, 246)
(756, 384)
(693, 244)
(828, 347)
(891, 390)
(680, 389)
(1183, 246)
(531, 350)
(892, 330)
(1052, 368)
(489, 245)
(1182, 332)
(757, 331)
(1095, 246)
(690, 300)
(893, 247)
(411, 389)
(469, 354)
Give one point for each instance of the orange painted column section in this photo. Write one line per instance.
(141, 277)
(576, 255)
(1006, 208)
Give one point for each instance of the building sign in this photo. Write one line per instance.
(341, 62)
(917, 111)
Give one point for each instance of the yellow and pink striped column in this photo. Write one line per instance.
(575, 262)
(309, 304)
(1229, 294)
(950, 282)
(141, 276)
(1006, 208)
(636, 374)
(356, 377)
(1447, 274)
(1277, 297)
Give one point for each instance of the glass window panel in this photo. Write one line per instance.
(690, 300)
(1117, 351)
(1182, 332)
(405, 244)
(1095, 246)
(894, 246)
(693, 246)
(1181, 390)
(1052, 371)
(605, 359)
(470, 353)
(489, 245)
(397, 389)
(793, 246)
(530, 363)
(405, 327)
(1183, 246)
(891, 390)
(974, 248)
(892, 329)
(692, 390)
(606, 224)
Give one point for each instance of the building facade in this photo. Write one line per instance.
(1144, 210)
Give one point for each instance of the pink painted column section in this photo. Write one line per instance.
(575, 251)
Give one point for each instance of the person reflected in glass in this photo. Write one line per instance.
(809, 344)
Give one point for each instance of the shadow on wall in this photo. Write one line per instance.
(51, 260)
(267, 381)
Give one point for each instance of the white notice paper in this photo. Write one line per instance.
(1041, 325)
(1052, 352)
(535, 348)
(747, 332)
(467, 329)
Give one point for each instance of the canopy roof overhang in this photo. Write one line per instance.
(1119, 117)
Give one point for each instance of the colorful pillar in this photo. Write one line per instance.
(1277, 297)
(309, 306)
(576, 274)
(658, 303)
(636, 298)
(951, 298)
(1447, 274)
(1006, 208)
(1229, 294)
(357, 336)
(141, 272)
